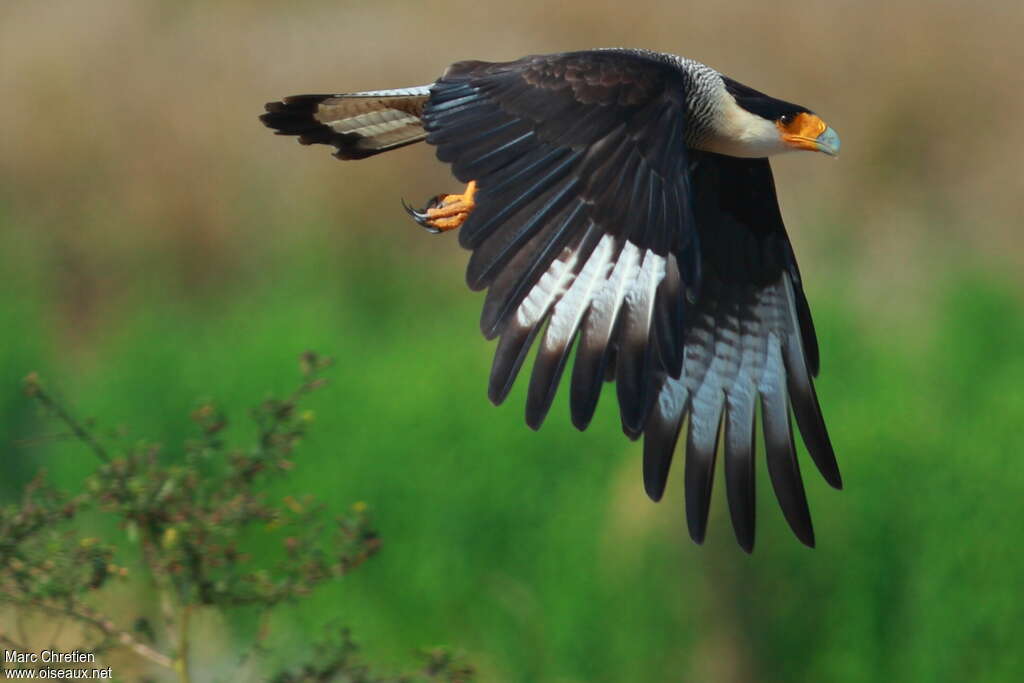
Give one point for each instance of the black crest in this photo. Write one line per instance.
(758, 103)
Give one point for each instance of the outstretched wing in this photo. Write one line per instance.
(583, 225)
(593, 220)
(749, 336)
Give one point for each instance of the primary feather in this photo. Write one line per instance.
(625, 208)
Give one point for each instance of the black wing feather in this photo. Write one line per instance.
(594, 221)
(670, 267)
(557, 143)
(739, 465)
(660, 437)
(747, 335)
(783, 468)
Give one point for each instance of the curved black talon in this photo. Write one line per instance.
(420, 215)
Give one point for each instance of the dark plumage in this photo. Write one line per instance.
(623, 199)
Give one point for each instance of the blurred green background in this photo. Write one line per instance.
(158, 245)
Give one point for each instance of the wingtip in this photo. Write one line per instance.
(806, 536)
(743, 527)
(631, 432)
(798, 518)
(496, 395)
(833, 476)
(697, 533)
(697, 512)
(659, 447)
(536, 413)
(579, 422)
(828, 466)
(653, 491)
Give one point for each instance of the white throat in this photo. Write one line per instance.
(739, 133)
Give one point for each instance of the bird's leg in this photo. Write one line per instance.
(445, 211)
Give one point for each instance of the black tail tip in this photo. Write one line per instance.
(296, 115)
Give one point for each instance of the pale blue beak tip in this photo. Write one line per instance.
(828, 142)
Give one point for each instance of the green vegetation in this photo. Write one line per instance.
(160, 249)
(198, 533)
(537, 552)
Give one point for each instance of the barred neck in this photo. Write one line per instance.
(704, 93)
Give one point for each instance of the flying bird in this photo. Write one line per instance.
(623, 198)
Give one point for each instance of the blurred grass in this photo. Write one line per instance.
(158, 246)
(538, 552)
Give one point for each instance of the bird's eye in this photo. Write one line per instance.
(786, 119)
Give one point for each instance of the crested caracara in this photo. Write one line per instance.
(622, 201)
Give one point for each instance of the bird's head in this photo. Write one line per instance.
(802, 129)
(752, 124)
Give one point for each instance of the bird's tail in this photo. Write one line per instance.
(358, 124)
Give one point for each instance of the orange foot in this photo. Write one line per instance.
(445, 211)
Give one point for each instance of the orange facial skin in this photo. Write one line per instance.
(802, 131)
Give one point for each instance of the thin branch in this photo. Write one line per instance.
(110, 629)
(36, 391)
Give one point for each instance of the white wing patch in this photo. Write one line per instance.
(639, 302)
(549, 289)
(732, 356)
(571, 308)
(611, 279)
(673, 399)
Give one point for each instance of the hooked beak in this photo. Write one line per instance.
(828, 142)
(809, 132)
